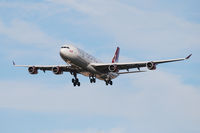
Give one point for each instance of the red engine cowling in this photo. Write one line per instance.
(33, 70)
(151, 66)
(57, 70)
(112, 68)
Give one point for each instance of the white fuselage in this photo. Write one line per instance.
(80, 59)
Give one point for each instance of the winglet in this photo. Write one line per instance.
(188, 56)
(13, 63)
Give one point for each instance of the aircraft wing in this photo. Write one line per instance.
(64, 68)
(104, 67)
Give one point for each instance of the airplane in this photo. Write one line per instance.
(80, 62)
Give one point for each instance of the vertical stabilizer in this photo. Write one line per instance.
(116, 56)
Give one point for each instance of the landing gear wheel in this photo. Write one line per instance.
(91, 80)
(75, 80)
(78, 83)
(111, 83)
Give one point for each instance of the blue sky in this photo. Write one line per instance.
(163, 101)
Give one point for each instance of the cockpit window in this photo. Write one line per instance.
(65, 47)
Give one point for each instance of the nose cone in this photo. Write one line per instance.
(62, 52)
(68, 51)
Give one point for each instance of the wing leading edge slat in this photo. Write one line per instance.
(65, 68)
(103, 67)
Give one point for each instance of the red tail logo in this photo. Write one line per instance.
(116, 56)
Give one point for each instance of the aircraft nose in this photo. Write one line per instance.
(62, 51)
(68, 51)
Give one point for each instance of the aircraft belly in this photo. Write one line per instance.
(100, 77)
(87, 69)
(76, 61)
(81, 63)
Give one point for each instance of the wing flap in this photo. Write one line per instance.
(103, 67)
(130, 72)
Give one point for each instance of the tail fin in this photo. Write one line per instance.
(116, 56)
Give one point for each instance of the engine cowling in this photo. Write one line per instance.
(33, 70)
(151, 66)
(112, 68)
(57, 70)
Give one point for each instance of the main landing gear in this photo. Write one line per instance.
(75, 80)
(92, 79)
(109, 82)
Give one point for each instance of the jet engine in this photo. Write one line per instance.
(112, 68)
(151, 66)
(33, 70)
(57, 70)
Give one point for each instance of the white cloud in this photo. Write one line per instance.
(45, 9)
(33, 43)
(155, 101)
(90, 130)
(139, 29)
(25, 33)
